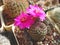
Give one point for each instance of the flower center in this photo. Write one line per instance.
(23, 19)
(36, 11)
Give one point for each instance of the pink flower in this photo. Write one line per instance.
(24, 21)
(36, 12)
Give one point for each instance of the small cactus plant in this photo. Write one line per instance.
(12, 8)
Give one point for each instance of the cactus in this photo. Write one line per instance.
(38, 31)
(12, 8)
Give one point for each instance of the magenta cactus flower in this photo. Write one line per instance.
(36, 11)
(24, 21)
